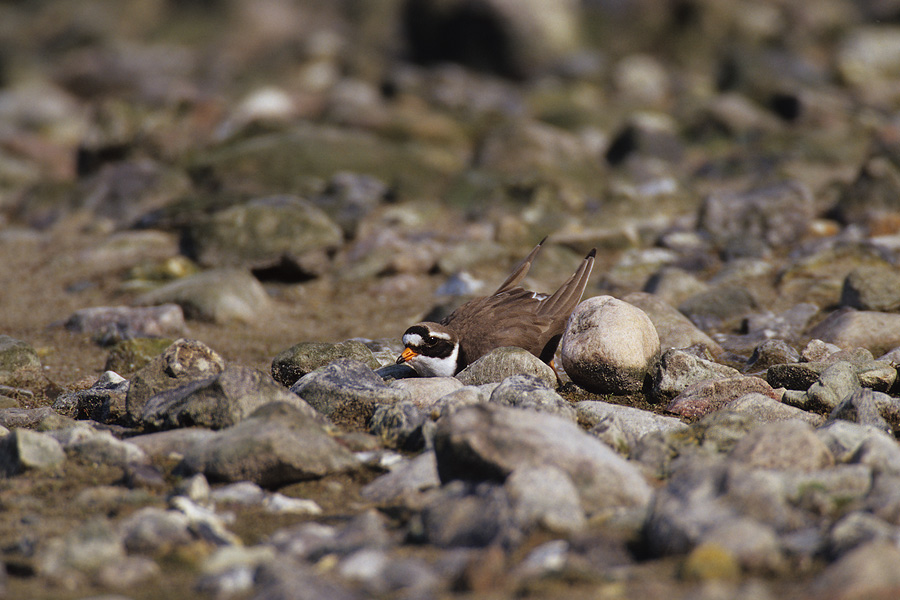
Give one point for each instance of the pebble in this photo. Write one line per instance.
(225, 295)
(426, 392)
(679, 369)
(766, 409)
(847, 328)
(704, 397)
(290, 365)
(609, 346)
(500, 363)
(23, 449)
(531, 393)
(872, 568)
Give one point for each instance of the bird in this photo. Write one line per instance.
(511, 316)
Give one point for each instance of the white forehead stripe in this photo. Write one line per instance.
(412, 339)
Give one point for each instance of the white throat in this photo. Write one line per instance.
(427, 366)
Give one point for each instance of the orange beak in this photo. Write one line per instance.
(407, 355)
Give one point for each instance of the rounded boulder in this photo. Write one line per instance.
(609, 346)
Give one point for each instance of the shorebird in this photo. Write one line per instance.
(511, 316)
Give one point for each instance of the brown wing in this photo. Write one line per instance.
(521, 270)
(510, 318)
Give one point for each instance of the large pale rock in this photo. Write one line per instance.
(609, 346)
(219, 295)
(849, 329)
(277, 445)
(488, 442)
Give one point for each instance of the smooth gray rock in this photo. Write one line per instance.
(470, 516)
(346, 391)
(399, 424)
(817, 350)
(754, 544)
(405, 484)
(111, 324)
(545, 497)
(687, 507)
(622, 426)
(425, 392)
(103, 448)
(609, 346)
(488, 442)
(674, 329)
(870, 570)
(151, 530)
(771, 352)
(19, 362)
(23, 450)
(498, 364)
(868, 407)
(183, 362)
(716, 433)
(766, 409)
(529, 392)
(857, 529)
(678, 369)
(262, 233)
(84, 549)
(219, 401)
(41, 419)
(843, 438)
(290, 365)
(720, 307)
(834, 384)
(777, 214)
(175, 441)
(707, 396)
(277, 445)
(219, 296)
(880, 453)
(872, 287)
(463, 397)
(878, 332)
(783, 445)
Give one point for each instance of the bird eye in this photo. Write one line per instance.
(430, 340)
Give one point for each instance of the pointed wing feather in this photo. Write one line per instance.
(521, 270)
